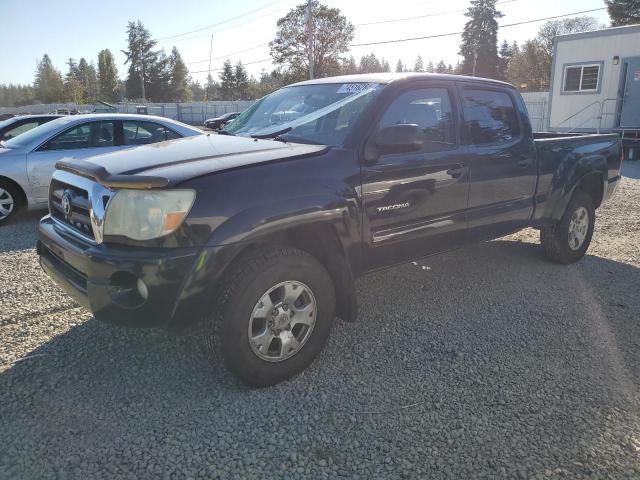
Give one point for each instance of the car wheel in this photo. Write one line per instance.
(568, 240)
(9, 198)
(272, 316)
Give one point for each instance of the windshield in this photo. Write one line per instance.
(321, 113)
(35, 133)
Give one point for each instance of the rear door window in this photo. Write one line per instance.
(18, 129)
(490, 117)
(144, 133)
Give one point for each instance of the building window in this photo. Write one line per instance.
(581, 78)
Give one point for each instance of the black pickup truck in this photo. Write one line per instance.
(259, 232)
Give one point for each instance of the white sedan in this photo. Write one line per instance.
(28, 160)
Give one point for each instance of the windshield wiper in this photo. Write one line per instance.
(274, 135)
(226, 132)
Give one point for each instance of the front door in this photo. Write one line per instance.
(80, 141)
(414, 203)
(630, 111)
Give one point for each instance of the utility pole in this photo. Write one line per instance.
(209, 75)
(311, 34)
(142, 76)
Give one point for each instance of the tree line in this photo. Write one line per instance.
(152, 75)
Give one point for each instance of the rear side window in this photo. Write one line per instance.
(143, 133)
(490, 117)
(19, 129)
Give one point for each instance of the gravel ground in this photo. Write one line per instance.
(488, 362)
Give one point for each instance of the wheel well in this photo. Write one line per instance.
(22, 200)
(321, 241)
(592, 185)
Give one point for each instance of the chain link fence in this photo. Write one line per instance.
(194, 113)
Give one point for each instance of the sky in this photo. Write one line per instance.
(241, 29)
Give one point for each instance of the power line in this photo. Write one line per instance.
(229, 54)
(436, 14)
(222, 22)
(460, 33)
(244, 64)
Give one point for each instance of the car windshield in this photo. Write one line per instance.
(35, 133)
(321, 113)
(7, 122)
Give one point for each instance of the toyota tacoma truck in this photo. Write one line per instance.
(257, 233)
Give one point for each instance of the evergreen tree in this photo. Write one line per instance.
(197, 92)
(430, 67)
(141, 59)
(107, 76)
(385, 65)
(211, 89)
(159, 75)
(89, 80)
(240, 82)
(227, 81)
(419, 65)
(441, 67)
(623, 12)
(179, 78)
(350, 67)
(371, 64)
(479, 47)
(48, 84)
(504, 56)
(399, 66)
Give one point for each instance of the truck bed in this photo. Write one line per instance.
(565, 159)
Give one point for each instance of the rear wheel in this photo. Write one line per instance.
(568, 240)
(272, 317)
(9, 198)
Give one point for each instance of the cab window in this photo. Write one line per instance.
(428, 108)
(87, 135)
(490, 117)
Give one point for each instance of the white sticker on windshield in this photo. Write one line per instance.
(356, 87)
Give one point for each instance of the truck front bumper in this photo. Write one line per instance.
(124, 286)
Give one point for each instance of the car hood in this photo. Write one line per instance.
(190, 157)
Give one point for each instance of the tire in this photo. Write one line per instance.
(9, 201)
(237, 334)
(556, 240)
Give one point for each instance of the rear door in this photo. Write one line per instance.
(80, 141)
(630, 110)
(414, 203)
(502, 161)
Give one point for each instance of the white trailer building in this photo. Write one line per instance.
(595, 84)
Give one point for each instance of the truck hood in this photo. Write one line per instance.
(190, 157)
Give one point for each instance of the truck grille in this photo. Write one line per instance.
(70, 205)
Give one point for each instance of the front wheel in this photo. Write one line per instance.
(272, 316)
(568, 240)
(8, 201)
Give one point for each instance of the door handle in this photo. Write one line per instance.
(524, 162)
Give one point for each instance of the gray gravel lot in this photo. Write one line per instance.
(488, 362)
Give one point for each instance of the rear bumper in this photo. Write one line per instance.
(123, 286)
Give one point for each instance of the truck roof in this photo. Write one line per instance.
(389, 77)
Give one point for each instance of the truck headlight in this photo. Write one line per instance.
(147, 214)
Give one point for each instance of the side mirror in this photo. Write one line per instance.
(400, 138)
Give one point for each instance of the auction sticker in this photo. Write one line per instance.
(636, 76)
(356, 87)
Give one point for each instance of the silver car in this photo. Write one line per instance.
(28, 160)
